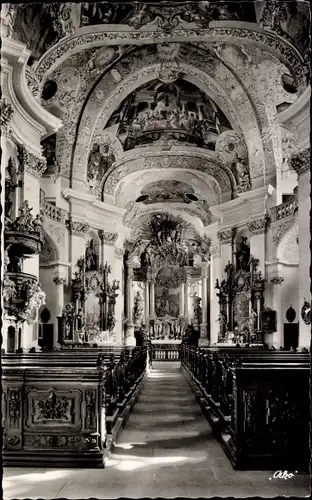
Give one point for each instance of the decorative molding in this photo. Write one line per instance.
(6, 112)
(208, 162)
(300, 162)
(292, 57)
(215, 251)
(225, 236)
(281, 230)
(31, 163)
(257, 226)
(109, 238)
(78, 228)
(277, 279)
(119, 253)
(58, 280)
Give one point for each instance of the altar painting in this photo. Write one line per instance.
(241, 310)
(92, 313)
(167, 302)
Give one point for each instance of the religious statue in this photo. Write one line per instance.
(252, 321)
(197, 309)
(100, 160)
(79, 320)
(8, 290)
(91, 257)
(243, 255)
(242, 174)
(222, 323)
(24, 221)
(145, 258)
(138, 307)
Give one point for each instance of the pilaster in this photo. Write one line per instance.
(215, 273)
(257, 229)
(301, 163)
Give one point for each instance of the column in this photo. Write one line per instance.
(130, 339)
(59, 282)
(152, 298)
(257, 229)
(215, 273)
(33, 167)
(181, 305)
(204, 325)
(301, 163)
(186, 299)
(6, 115)
(146, 302)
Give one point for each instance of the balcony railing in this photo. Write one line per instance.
(284, 210)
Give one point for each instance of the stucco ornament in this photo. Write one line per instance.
(300, 162)
(102, 58)
(173, 159)
(31, 163)
(6, 112)
(230, 145)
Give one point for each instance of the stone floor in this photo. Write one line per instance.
(166, 450)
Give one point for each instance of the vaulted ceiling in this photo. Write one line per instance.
(161, 99)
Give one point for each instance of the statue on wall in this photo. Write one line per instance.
(197, 309)
(252, 322)
(100, 160)
(242, 175)
(243, 255)
(138, 307)
(222, 320)
(91, 257)
(145, 258)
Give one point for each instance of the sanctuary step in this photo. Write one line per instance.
(167, 449)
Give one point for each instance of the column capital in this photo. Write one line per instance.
(300, 162)
(225, 236)
(6, 112)
(31, 163)
(258, 226)
(78, 228)
(107, 237)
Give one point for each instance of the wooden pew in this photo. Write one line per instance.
(257, 404)
(66, 408)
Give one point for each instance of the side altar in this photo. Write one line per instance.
(243, 317)
(90, 316)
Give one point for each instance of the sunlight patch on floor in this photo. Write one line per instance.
(131, 463)
(34, 477)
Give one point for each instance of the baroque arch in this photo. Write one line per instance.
(146, 73)
(176, 159)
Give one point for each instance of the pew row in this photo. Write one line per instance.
(256, 403)
(66, 409)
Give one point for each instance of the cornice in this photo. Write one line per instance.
(14, 57)
(298, 110)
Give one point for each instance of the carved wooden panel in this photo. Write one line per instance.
(53, 408)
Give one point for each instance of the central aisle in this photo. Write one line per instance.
(166, 450)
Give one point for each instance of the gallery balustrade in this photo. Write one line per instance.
(257, 402)
(67, 407)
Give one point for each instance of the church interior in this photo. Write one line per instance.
(156, 296)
